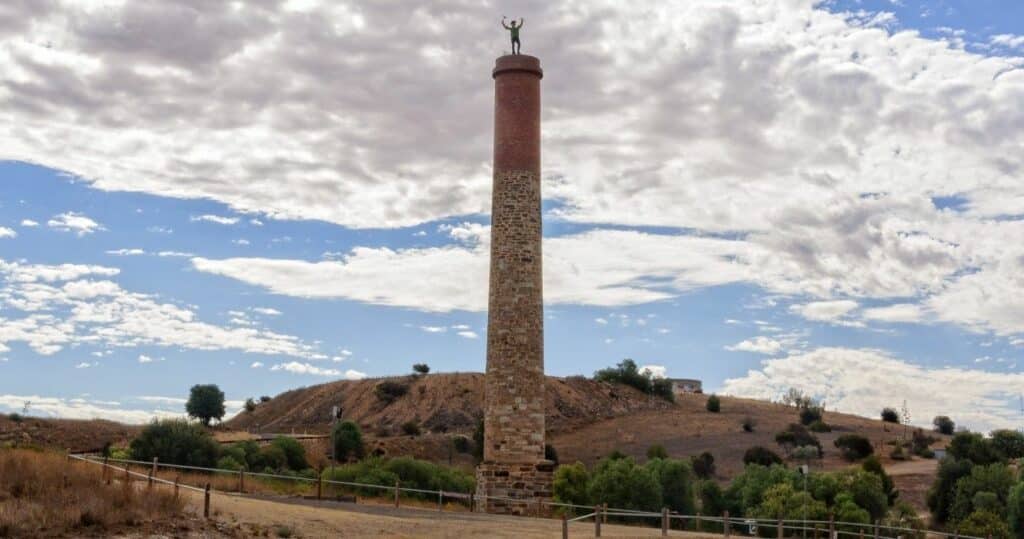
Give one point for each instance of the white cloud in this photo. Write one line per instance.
(77, 223)
(218, 219)
(657, 371)
(7, 233)
(602, 321)
(175, 254)
(305, 368)
(434, 329)
(78, 408)
(267, 311)
(61, 309)
(864, 381)
(126, 252)
(824, 311)
(145, 359)
(256, 365)
(86, 365)
(1008, 40)
(759, 345)
(29, 223)
(468, 334)
(240, 241)
(900, 312)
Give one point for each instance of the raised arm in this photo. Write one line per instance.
(505, 26)
(520, 22)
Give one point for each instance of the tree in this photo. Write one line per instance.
(657, 451)
(421, 368)
(205, 402)
(627, 373)
(984, 524)
(714, 404)
(943, 490)
(389, 390)
(294, 452)
(1015, 509)
(854, 446)
(748, 424)
(973, 447)
(783, 502)
(810, 414)
(797, 435)
(761, 455)
(250, 405)
(265, 398)
(866, 489)
(1008, 442)
(944, 424)
(175, 441)
(348, 441)
(676, 480)
(411, 428)
(712, 499)
(622, 484)
(569, 484)
(703, 465)
(873, 465)
(890, 415)
(995, 479)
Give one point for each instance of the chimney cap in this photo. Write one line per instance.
(517, 62)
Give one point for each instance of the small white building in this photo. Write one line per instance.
(685, 385)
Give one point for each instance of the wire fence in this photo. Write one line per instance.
(725, 524)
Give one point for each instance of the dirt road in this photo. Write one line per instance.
(331, 519)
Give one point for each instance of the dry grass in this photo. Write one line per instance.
(42, 495)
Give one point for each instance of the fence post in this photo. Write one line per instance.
(396, 493)
(565, 526)
(176, 478)
(472, 502)
(320, 482)
(696, 523)
(241, 481)
(831, 526)
(876, 529)
(604, 512)
(725, 523)
(154, 465)
(779, 529)
(816, 530)
(664, 521)
(106, 469)
(597, 520)
(206, 501)
(860, 534)
(64, 482)
(440, 500)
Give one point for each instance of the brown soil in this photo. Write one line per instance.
(73, 434)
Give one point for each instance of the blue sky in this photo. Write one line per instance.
(770, 195)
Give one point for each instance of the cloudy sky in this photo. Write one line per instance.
(762, 194)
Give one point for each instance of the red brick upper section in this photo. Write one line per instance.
(517, 113)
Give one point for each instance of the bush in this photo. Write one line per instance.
(984, 524)
(17, 418)
(703, 465)
(421, 368)
(205, 403)
(272, 459)
(411, 428)
(622, 484)
(676, 480)
(1015, 509)
(412, 473)
(890, 415)
(570, 484)
(714, 404)
(797, 435)
(250, 405)
(873, 465)
(657, 451)
(995, 479)
(943, 490)
(761, 455)
(1009, 443)
(748, 424)
(550, 453)
(921, 442)
(662, 387)
(294, 452)
(627, 373)
(782, 501)
(854, 446)
(389, 390)
(348, 441)
(973, 447)
(819, 426)
(265, 398)
(810, 414)
(175, 441)
(461, 444)
(712, 499)
(229, 463)
(944, 424)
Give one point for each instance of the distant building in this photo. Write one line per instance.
(685, 385)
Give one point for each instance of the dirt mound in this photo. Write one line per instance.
(438, 403)
(76, 435)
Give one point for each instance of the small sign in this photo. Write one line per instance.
(751, 526)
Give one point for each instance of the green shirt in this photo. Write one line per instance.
(515, 31)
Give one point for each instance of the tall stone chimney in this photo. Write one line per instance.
(514, 465)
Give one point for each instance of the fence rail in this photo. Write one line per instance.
(599, 513)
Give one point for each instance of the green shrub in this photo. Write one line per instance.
(412, 473)
(995, 479)
(662, 387)
(854, 446)
(1015, 509)
(570, 484)
(873, 465)
(657, 451)
(250, 405)
(389, 390)
(819, 426)
(175, 441)
(984, 524)
(921, 443)
(846, 510)
(229, 463)
(205, 403)
(797, 435)
(714, 404)
(712, 499)
(944, 424)
(676, 480)
(627, 373)
(421, 368)
(866, 489)
(411, 428)
(1009, 443)
(271, 459)
(890, 415)
(461, 444)
(810, 415)
(250, 453)
(748, 424)
(17, 418)
(265, 398)
(943, 490)
(761, 455)
(703, 465)
(348, 441)
(782, 501)
(294, 452)
(974, 447)
(622, 484)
